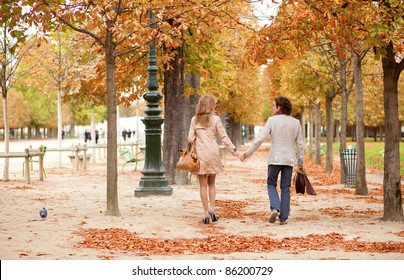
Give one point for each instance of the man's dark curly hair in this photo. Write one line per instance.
(284, 103)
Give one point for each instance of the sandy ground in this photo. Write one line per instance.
(333, 225)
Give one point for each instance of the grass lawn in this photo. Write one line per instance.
(374, 153)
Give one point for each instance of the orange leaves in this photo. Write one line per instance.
(122, 240)
(231, 208)
(345, 23)
(21, 188)
(347, 211)
(317, 174)
(400, 233)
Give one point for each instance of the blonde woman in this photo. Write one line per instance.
(204, 129)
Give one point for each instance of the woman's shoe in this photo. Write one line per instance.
(213, 216)
(206, 220)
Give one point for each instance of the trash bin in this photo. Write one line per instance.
(348, 164)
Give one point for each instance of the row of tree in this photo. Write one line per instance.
(111, 69)
(100, 57)
(348, 30)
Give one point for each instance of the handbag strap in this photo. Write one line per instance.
(192, 147)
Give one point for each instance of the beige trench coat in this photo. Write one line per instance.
(206, 145)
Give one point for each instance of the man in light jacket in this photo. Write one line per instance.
(285, 133)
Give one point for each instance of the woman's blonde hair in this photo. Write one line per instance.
(205, 109)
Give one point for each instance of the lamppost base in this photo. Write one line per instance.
(153, 186)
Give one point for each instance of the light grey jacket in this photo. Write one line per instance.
(285, 133)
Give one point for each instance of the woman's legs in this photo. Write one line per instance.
(212, 191)
(203, 192)
(205, 182)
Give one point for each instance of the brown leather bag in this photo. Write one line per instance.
(302, 183)
(188, 159)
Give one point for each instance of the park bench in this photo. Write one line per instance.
(27, 155)
(32, 160)
(80, 160)
(126, 155)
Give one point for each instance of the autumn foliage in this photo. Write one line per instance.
(115, 239)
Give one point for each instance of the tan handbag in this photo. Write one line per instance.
(188, 159)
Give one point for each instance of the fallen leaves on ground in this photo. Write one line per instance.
(400, 233)
(231, 209)
(20, 188)
(368, 199)
(334, 191)
(214, 229)
(258, 181)
(317, 174)
(338, 212)
(235, 209)
(118, 239)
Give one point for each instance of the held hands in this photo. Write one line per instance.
(244, 157)
(237, 154)
(241, 157)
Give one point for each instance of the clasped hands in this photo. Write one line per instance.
(242, 157)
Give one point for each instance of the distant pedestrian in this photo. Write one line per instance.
(129, 133)
(87, 136)
(124, 134)
(97, 136)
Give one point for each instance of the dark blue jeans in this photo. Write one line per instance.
(282, 202)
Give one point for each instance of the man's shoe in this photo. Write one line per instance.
(284, 222)
(273, 216)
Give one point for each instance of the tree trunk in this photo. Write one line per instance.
(318, 134)
(72, 130)
(330, 130)
(93, 133)
(178, 117)
(303, 125)
(375, 134)
(352, 132)
(4, 89)
(310, 127)
(6, 137)
(344, 113)
(112, 147)
(381, 133)
(59, 100)
(393, 204)
(336, 130)
(361, 187)
(235, 132)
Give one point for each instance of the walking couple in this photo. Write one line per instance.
(286, 143)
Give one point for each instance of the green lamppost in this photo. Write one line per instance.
(153, 181)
